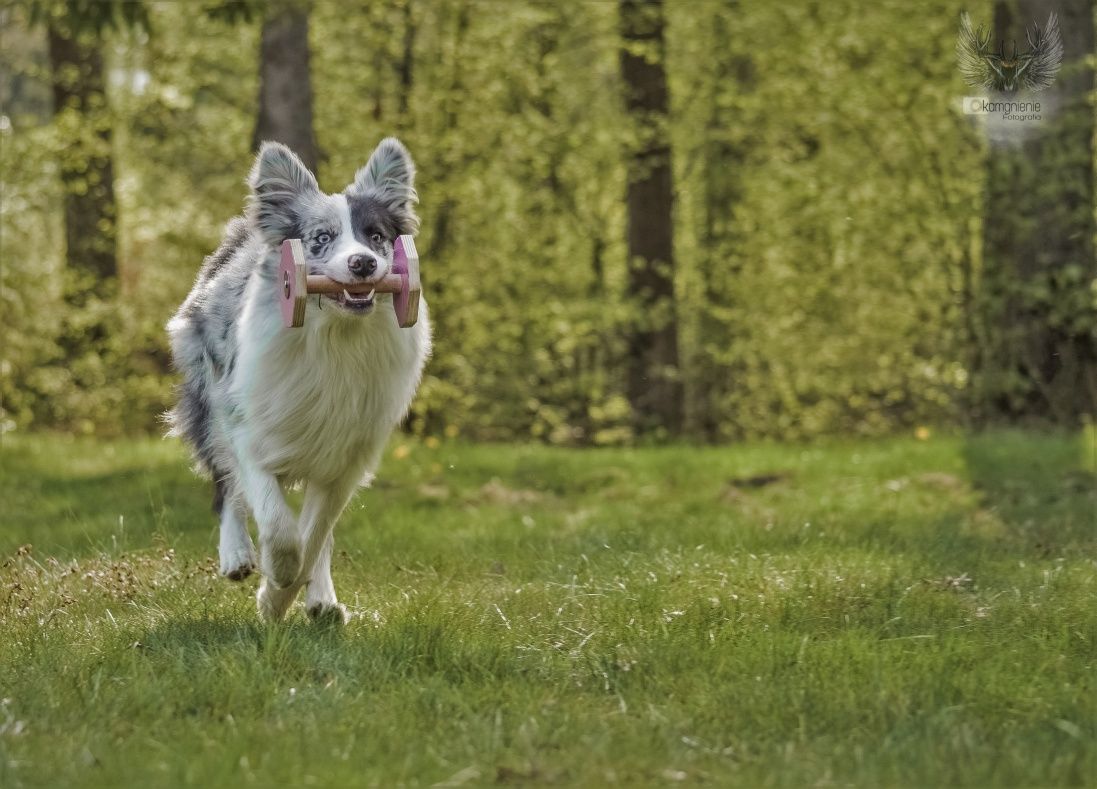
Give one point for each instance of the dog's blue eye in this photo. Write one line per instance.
(323, 238)
(375, 238)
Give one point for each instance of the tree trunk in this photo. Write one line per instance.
(407, 65)
(653, 385)
(1039, 345)
(708, 386)
(454, 94)
(87, 173)
(285, 87)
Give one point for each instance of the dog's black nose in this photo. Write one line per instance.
(361, 265)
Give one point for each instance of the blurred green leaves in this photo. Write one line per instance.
(829, 210)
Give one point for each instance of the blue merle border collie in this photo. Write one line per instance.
(266, 407)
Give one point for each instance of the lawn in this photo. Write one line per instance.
(893, 612)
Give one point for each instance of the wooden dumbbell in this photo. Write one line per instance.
(297, 284)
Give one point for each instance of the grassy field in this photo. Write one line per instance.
(882, 613)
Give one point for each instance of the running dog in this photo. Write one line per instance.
(266, 407)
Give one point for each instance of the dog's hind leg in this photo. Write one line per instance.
(273, 602)
(235, 549)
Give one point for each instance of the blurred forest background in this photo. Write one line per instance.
(711, 220)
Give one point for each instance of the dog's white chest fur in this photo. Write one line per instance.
(321, 400)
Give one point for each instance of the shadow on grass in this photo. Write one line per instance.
(195, 642)
(184, 633)
(65, 506)
(307, 652)
(1041, 489)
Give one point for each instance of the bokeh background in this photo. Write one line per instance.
(641, 221)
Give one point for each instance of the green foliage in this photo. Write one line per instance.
(829, 204)
(883, 613)
(87, 17)
(831, 217)
(175, 127)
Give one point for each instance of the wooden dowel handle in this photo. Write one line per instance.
(390, 283)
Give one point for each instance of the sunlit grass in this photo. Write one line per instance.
(915, 612)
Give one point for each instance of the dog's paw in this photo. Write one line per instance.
(273, 603)
(328, 613)
(281, 562)
(238, 564)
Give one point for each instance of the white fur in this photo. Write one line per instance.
(317, 405)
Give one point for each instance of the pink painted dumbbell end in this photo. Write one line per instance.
(402, 282)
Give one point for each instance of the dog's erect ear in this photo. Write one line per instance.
(279, 184)
(389, 176)
(389, 165)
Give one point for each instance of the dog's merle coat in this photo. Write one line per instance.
(264, 406)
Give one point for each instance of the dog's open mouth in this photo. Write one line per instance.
(360, 303)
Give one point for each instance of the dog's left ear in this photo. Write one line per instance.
(389, 176)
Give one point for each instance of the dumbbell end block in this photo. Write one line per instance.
(405, 262)
(292, 283)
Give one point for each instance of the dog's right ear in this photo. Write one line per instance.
(279, 183)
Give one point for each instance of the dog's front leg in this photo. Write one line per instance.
(279, 539)
(323, 505)
(320, 601)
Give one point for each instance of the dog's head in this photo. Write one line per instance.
(348, 236)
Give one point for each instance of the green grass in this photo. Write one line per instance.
(885, 613)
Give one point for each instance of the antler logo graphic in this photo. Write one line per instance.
(1034, 69)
